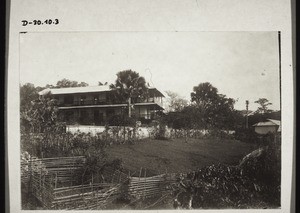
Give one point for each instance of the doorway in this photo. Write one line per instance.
(98, 117)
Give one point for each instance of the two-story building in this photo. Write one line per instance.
(95, 105)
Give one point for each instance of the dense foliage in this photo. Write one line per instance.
(208, 110)
(255, 183)
(41, 116)
(67, 83)
(28, 93)
(53, 144)
(246, 135)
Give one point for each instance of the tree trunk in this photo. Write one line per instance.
(124, 132)
(129, 107)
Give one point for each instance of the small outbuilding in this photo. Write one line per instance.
(269, 126)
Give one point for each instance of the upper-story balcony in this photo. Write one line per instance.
(86, 103)
(157, 100)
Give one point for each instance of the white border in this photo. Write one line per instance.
(155, 15)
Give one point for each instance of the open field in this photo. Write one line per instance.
(160, 156)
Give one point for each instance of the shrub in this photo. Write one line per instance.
(254, 184)
(64, 144)
(246, 135)
(158, 129)
(266, 169)
(217, 133)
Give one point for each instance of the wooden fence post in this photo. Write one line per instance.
(29, 190)
(113, 176)
(119, 176)
(92, 183)
(40, 189)
(144, 183)
(43, 193)
(140, 176)
(55, 183)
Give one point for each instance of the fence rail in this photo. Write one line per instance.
(51, 180)
(150, 186)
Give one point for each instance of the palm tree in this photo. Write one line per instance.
(130, 85)
(263, 106)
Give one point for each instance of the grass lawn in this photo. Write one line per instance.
(160, 156)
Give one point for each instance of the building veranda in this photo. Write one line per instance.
(97, 105)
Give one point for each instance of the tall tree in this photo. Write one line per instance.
(213, 110)
(175, 102)
(263, 106)
(41, 116)
(204, 95)
(128, 85)
(68, 83)
(28, 93)
(225, 114)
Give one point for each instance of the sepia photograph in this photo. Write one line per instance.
(150, 120)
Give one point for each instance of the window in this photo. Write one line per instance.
(68, 99)
(95, 99)
(69, 116)
(102, 97)
(82, 99)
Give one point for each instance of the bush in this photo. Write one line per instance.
(45, 145)
(266, 170)
(254, 184)
(217, 133)
(246, 135)
(158, 129)
(64, 145)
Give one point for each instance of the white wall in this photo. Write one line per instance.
(265, 129)
(142, 132)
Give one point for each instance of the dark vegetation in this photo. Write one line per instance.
(255, 118)
(254, 183)
(208, 110)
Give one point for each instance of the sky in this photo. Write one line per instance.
(241, 65)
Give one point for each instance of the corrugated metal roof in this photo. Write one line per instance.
(277, 122)
(266, 123)
(270, 122)
(76, 90)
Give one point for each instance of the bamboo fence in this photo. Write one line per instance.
(42, 176)
(112, 175)
(142, 187)
(91, 196)
(51, 181)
